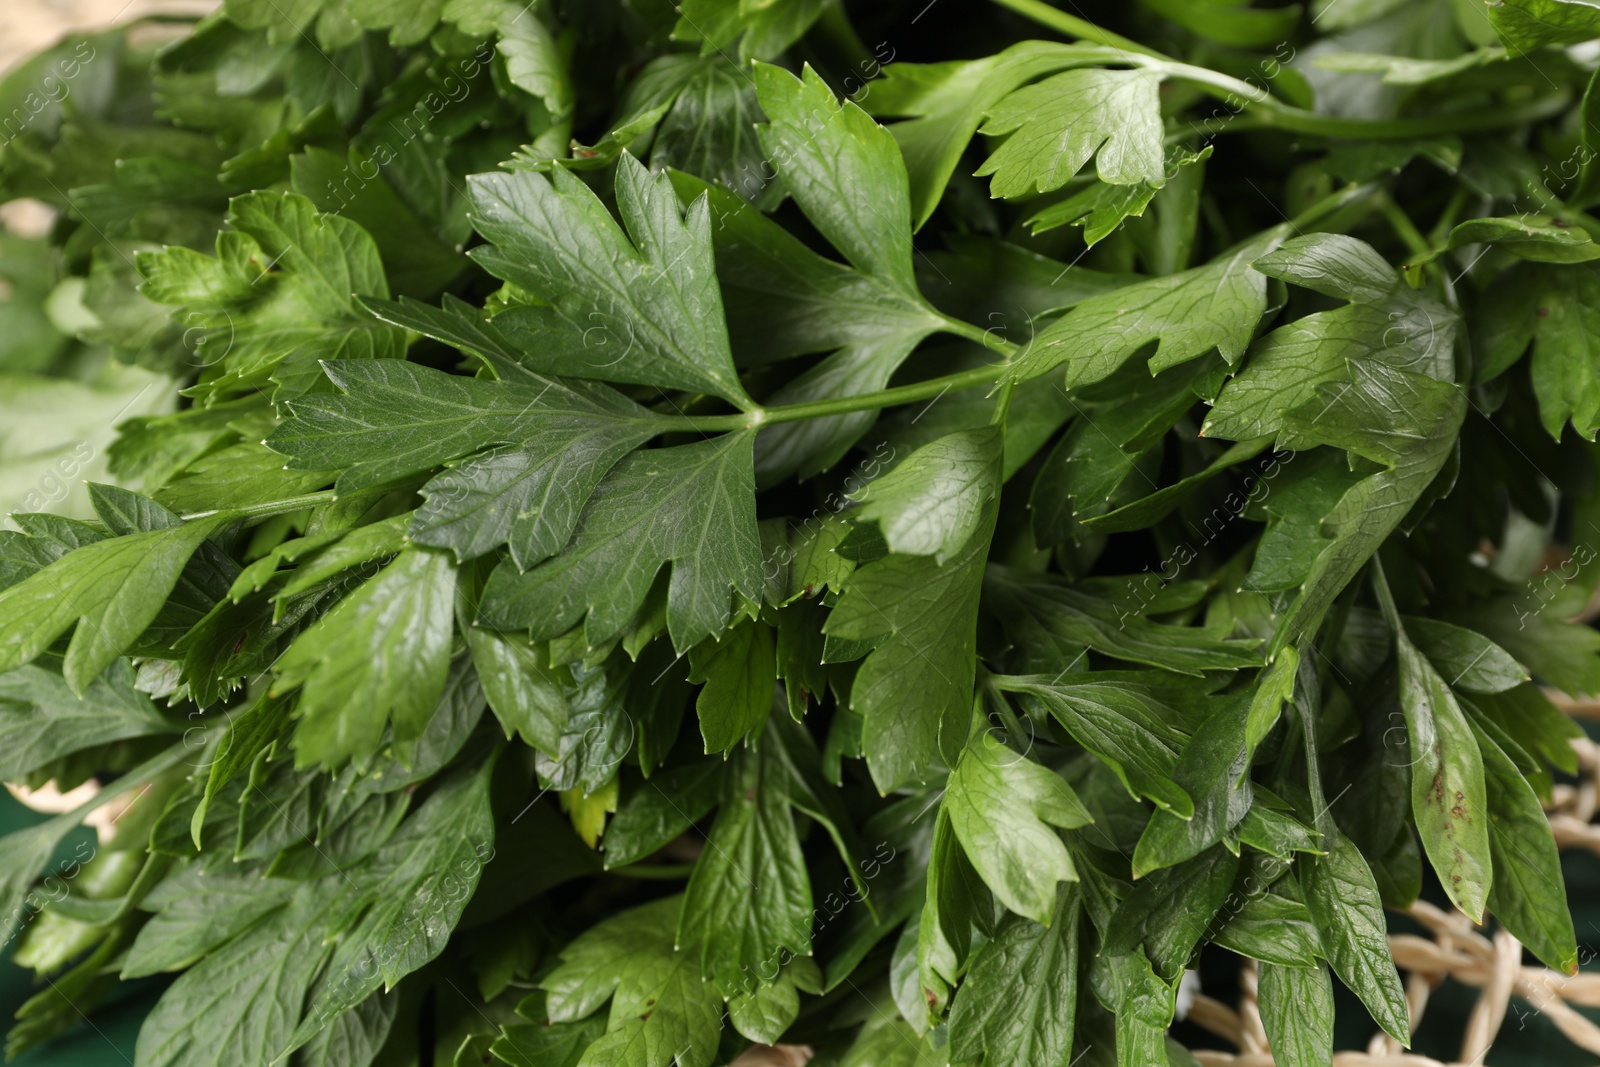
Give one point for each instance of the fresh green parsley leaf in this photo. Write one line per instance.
(692, 506)
(380, 656)
(639, 304)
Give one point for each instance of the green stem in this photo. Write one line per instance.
(845, 405)
(1282, 115)
(267, 508)
(665, 872)
(1299, 120)
(1380, 586)
(834, 24)
(1072, 26)
(1403, 227)
(1004, 404)
(1447, 219)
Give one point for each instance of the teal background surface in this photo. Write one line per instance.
(108, 1037)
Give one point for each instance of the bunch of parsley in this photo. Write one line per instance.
(666, 527)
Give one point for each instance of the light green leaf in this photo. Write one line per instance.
(1533, 721)
(1002, 807)
(763, 1015)
(661, 1011)
(535, 65)
(1101, 208)
(523, 690)
(1275, 833)
(245, 471)
(1464, 658)
(947, 102)
(1058, 124)
(380, 656)
(1144, 1006)
(111, 590)
(1566, 358)
(843, 169)
(1525, 25)
(279, 296)
(349, 549)
(932, 502)
(1408, 70)
(1230, 23)
(1535, 237)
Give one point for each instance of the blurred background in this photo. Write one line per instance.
(28, 430)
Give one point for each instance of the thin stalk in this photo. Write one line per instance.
(664, 872)
(1380, 586)
(1276, 112)
(1072, 26)
(1403, 227)
(845, 405)
(1333, 203)
(1298, 120)
(1003, 405)
(1447, 219)
(267, 508)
